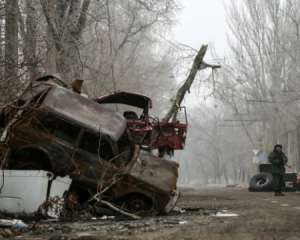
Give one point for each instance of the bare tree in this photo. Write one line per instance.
(11, 45)
(66, 21)
(259, 81)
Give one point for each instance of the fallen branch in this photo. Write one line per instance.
(108, 204)
(205, 65)
(198, 65)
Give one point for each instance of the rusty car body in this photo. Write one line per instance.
(54, 129)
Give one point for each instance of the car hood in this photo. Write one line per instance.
(158, 172)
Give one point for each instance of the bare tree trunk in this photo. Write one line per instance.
(51, 48)
(298, 146)
(2, 40)
(66, 23)
(30, 39)
(225, 174)
(11, 43)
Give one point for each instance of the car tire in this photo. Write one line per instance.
(137, 203)
(261, 182)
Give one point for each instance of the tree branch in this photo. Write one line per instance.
(133, 216)
(51, 23)
(82, 17)
(197, 64)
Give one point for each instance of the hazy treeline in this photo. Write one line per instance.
(257, 92)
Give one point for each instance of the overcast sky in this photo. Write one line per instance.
(202, 21)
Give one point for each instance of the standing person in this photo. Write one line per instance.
(278, 160)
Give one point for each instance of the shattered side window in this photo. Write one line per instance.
(92, 143)
(61, 129)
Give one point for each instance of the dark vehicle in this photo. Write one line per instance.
(54, 129)
(148, 131)
(263, 181)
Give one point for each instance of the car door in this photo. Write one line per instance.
(93, 157)
(64, 137)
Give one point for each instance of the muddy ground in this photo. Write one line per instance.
(260, 216)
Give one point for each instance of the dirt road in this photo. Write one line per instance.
(260, 216)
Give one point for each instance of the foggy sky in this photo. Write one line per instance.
(200, 22)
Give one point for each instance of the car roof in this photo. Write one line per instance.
(85, 112)
(132, 99)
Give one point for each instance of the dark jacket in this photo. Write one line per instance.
(278, 160)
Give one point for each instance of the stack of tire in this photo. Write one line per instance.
(263, 181)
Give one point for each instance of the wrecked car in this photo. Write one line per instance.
(52, 128)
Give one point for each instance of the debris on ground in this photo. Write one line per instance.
(52, 208)
(114, 224)
(13, 227)
(14, 223)
(226, 213)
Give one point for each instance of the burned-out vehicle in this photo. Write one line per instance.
(52, 128)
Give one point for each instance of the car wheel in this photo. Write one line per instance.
(137, 203)
(261, 182)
